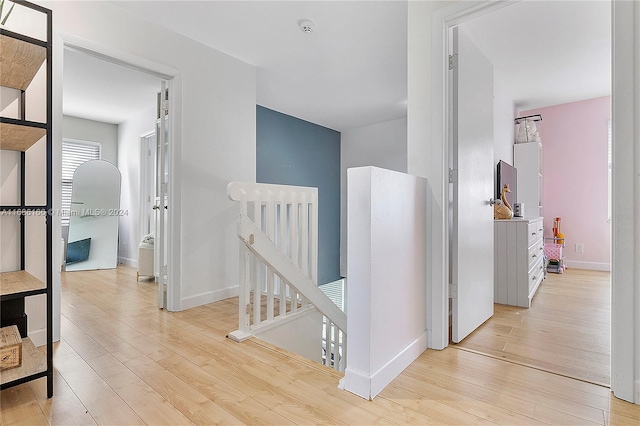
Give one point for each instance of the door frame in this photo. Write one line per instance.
(62, 41)
(625, 333)
(443, 20)
(145, 166)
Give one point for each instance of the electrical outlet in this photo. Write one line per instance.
(579, 248)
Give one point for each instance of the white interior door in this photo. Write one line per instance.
(161, 206)
(472, 227)
(148, 184)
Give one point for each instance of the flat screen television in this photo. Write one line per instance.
(78, 251)
(507, 174)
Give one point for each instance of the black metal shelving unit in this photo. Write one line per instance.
(21, 58)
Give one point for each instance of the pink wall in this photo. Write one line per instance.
(574, 139)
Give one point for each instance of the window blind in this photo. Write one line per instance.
(73, 154)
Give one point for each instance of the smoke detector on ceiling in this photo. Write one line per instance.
(306, 25)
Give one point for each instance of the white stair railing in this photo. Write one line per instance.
(278, 230)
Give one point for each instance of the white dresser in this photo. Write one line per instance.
(518, 260)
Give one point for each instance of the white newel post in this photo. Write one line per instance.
(386, 291)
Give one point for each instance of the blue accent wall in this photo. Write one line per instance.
(290, 151)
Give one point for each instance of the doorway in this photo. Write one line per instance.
(486, 30)
(115, 103)
(623, 355)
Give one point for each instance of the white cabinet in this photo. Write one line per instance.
(527, 159)
(518, 260)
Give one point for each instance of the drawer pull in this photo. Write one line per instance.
(534, 233)
(534, 278)
(534, 255)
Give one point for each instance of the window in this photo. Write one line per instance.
(74, 153)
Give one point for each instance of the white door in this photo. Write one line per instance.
(472, 176)
(161, 206)
(148, 184)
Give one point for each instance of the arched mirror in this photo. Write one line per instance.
(93, 225)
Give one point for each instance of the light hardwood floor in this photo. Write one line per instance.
(566, 330)
(121, 361)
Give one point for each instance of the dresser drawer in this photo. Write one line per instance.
(518, 260)
(536, 273)
(535, 231)
(536, 252)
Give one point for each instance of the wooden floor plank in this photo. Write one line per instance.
(250, 411)
(566, 330)
(339, 410)
(65, 408)
(496, 374)
(136, 364)
(472, 392)
(100, 399)
(150, 406)
(557, 417)
(392, 411)
(457, 398)
(206, 383)
(20, 407)
(435, 409)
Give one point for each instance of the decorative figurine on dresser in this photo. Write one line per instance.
(503, 210)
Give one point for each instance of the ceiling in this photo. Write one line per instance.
(548, 52)
(351, 71)
(103, 91)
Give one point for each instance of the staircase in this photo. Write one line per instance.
(279, 300)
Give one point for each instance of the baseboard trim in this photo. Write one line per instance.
(592, 266)
(38, 337)
(128, 262)
(369, 385)
(397, 364)
(209, 297)
(357, 382)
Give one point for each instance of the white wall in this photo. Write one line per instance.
(213, 136)
(301, 335)
(504, 112)
(129, 163)
(386, 295)
(426, 157)
(382, 145)
(93, 131)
